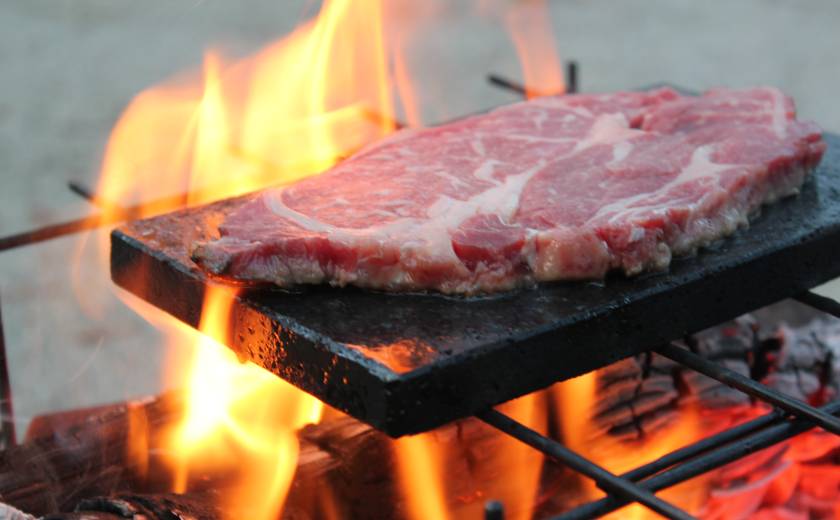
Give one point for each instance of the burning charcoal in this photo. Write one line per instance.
(730, 345)
(634, 395)
(807, 366)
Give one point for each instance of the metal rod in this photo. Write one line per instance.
(114, 215)
(572, 84)
(83, 191)
(508, 84)
(606, 480)
(494, 510)
(751, 387)
(571, 77)
(45, 233)
(711, 461)
(8, 436)
(821, 303)
(704, 445)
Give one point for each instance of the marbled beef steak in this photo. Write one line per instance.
(557, 188)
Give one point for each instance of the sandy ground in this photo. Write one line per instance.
(69, 67)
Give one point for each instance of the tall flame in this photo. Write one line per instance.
(289, 111)
(528, 24)
(212, 138)
(530, 29)
(510, 474)
(575, 401)
(419, 464)
(240, 416)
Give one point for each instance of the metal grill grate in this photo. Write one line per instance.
(789, 418)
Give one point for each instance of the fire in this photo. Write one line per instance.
(530, 29)
(518, 490)
(289, 111)
(240, 416)
(432, 465)
(419, 463)
(575, 400)
(528, 24)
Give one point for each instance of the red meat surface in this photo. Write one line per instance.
(556, 188)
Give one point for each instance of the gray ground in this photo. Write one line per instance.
(68, 67)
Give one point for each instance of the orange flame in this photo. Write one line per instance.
(575, 401)
(510, 473)
(530, 29)
(287, 112)
(240, 416)
(518, 489)
(419, 464)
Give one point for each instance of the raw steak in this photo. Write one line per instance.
(557, 188)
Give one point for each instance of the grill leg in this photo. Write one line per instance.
(7, 418)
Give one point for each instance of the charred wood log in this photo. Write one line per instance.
(161, 506)
(641, 394)
(117, 453)
(69, 456)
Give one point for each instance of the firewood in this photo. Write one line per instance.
(72, 456)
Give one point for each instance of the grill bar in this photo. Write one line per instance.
(83, 191)
(705, 445)
(715, 459)
(572, 86)
(115, 215)
(821, 303)
(502, 82)
(751, 387)
(507, 84)
(706, 454)
(494, 510)
(49, 232)
(605, 480)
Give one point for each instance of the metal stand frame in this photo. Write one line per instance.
(7, 416)
(789, 418)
